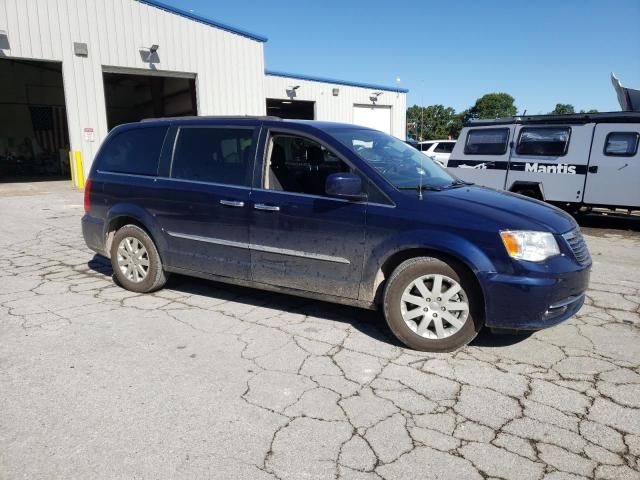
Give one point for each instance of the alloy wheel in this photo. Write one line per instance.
(434, 306)
(133, 259)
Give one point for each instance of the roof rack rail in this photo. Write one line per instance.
(572, 118)
(214, 117)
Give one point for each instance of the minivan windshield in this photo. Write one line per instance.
(401, 164)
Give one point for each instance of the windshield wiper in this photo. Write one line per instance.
(458, 183)
(421, 187)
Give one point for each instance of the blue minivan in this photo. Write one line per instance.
(334, 212)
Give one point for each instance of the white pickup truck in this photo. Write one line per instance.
(572, 161)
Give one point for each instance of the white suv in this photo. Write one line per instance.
(439, 150)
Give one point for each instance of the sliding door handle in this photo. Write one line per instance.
(232, 203)
(268, 208)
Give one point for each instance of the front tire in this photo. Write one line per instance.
(432, 306)
(135, 260)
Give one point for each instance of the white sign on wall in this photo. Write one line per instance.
(89, 134)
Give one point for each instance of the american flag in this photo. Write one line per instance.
(50, 127)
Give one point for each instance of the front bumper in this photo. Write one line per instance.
(533, 302)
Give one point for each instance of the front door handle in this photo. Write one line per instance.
(232, 203)
(268, 208)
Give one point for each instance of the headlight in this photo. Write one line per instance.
(530, 246)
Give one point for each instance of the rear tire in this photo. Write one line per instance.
(445, 296)
(135, 260)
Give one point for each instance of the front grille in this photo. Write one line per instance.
(578, 246)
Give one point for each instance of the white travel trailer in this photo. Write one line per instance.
(573, 160)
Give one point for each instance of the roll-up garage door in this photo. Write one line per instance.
(373, 116)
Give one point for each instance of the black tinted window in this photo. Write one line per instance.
(624, 144)
(444, 147)
(214, 154)
(551, 141)
(425, 146)
(133, 151)
(487, 141)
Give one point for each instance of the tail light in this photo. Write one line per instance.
(87, 195)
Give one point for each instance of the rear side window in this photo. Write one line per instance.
(487, 141)
(621, 144)
(546, 141)
(444, 147)
(133, 151)
(214, 154)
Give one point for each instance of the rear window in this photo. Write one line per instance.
(214, 154)
(487, 141)
(622, 144)
(546, 141)
(133, 151)
(444, 147)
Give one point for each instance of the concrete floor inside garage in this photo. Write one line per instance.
(203, 380)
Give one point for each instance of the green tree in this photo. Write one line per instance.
(432, 122)
(492, 105)
(563, 109)
(593, 110)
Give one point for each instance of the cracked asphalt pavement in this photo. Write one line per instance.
(204, 380)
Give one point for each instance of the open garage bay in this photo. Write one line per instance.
(131, 98)
(34, 138)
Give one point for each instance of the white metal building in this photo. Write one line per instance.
(302, 96)
(70, 70)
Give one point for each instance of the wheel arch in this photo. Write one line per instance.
(523, 186)
(122, 215)
(396, 259)
(471, 263)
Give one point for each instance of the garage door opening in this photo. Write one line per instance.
(373, 116)
(131, 98)
(292, 109)
(34, 137)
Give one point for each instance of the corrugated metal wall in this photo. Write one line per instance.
(229, 66)
(340, 108)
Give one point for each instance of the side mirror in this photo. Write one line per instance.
(345, 185)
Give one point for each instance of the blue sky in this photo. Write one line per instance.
(542, 52)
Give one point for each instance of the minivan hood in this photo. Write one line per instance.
(505, 210)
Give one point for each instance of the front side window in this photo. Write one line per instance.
(487, 141)
(134, 151)
(402, 165)
(444, 147)
(214, 154)
(545, 141)
(300, 165)
(622, 144)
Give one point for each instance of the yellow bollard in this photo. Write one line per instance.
(72, 169)
(79, 171)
